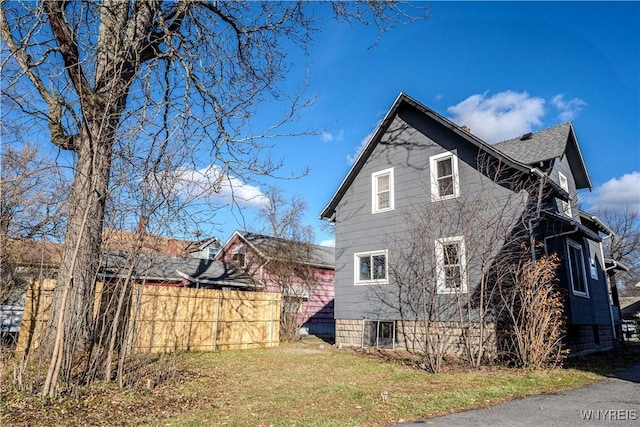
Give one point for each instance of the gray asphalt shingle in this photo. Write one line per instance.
(542, 145)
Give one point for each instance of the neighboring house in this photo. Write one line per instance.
(256, 254)
(417, 157)
(10, 320)
(630, 308)
(133, 241)
(205, 249)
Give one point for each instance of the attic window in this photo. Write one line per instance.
(238, 256)
(526, 136)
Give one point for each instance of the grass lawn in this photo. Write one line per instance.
(303, 384)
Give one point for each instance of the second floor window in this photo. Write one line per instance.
(382, 194)
(451, 265)
(445, 181)
(564, 184)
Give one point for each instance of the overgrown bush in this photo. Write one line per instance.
(532, 315)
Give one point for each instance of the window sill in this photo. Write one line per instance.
(580, 294)
(440, 199)
(372, 282)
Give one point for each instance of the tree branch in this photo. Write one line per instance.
(51, 98)
(68, 47)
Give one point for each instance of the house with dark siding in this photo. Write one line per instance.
(417, 161)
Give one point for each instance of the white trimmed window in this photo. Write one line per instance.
(371, 268)
(577, 272)
(445, 180)
(593, 268)
(451, 268)
(382, 191)
(564, 184)
(238, 255)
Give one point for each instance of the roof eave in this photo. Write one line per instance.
(328, 213)
(573, 223)
(586, 183)
(598, 222)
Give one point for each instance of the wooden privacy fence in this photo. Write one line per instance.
(163, 318)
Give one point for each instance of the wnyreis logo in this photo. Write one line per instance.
(609, 414)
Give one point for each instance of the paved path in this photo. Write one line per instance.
(614, 401)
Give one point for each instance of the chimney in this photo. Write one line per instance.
(466, 128)
(172, 248)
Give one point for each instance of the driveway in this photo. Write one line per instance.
(614, 401)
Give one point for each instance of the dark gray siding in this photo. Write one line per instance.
(562, 166)
(582, 310)
(406, 147)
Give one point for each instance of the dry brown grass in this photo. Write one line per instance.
(303, 384)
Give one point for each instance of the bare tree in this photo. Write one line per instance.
(289, 254)
(92, 71)
(624, 246)
(447, 277)
(32, 206)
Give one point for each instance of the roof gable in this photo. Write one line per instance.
(320, 256)
(549, 144)
(405, 101)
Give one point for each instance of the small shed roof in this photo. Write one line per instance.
(159, 267)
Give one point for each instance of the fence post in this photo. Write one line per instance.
(271, 304)
(215, 323)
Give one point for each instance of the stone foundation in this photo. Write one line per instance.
(584, 339)
(411, 336)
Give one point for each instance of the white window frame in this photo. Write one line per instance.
(593, 267)
(435, 188)
(564, 184)
(356, 267)
(441, 286)
(580, 249)
(375, 208)
(239, 255)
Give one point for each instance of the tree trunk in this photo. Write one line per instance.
(81, 252)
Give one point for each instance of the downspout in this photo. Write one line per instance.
(532, 240)
(606, 279)
(553, 236)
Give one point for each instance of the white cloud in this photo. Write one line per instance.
(329, 243)
(617, 193)
(329, 137)
(351, 158)
(213, 184)
(499, 117)
(567, 110)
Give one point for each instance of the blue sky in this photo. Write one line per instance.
(501, 68)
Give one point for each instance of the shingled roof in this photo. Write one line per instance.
(547, 144)
(538, 146)
(319, 256)
(164, 268)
